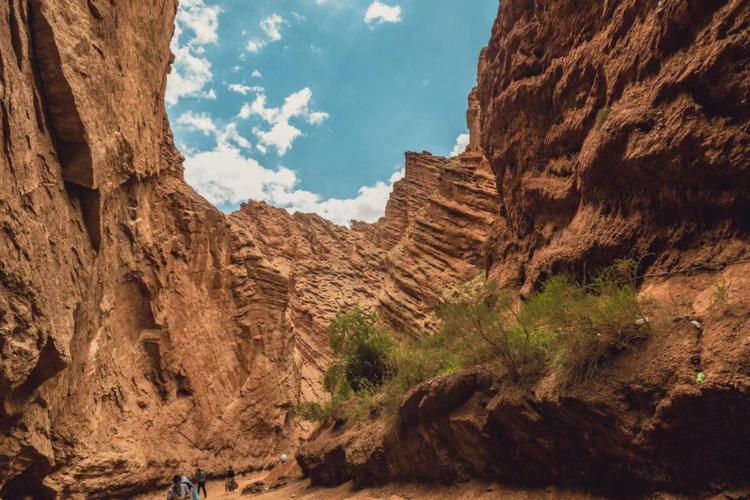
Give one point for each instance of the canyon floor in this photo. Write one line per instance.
(301, 489)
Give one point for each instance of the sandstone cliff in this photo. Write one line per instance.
(613, 129)
(141, 330)
(429, 239)
(621, 131)
(122, 292)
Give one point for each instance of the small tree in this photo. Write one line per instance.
(481, 323)
(361, 349)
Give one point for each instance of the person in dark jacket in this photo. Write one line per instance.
(229, 483)
(200, 481)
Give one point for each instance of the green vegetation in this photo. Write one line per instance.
(601, 117)
(721, 294)
(568, 328)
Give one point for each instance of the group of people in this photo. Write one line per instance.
(184, 489)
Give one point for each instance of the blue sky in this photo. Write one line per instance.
(310, 104)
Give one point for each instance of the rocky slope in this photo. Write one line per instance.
(142, 331)
(621, 131)
(429, 239)
(613, 129)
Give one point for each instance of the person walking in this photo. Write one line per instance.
(229, 483)
(191, 488)
(200, 481)
(178, 490)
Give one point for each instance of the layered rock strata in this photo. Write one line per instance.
(141, 330)
(613, 130)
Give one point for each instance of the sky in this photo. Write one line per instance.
(309, 105)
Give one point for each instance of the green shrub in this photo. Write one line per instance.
(587, 323)
(568, 327)
(313, 412)
(481, 325)
(721, 294)
(361, 347)
(601, 117)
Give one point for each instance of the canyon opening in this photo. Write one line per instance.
(226, 277)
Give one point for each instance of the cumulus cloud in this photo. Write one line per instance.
(227, 136)
(191, 71)
(226, 177)
(245, 89)
(255, 45)
(379, 13)
(367, 206)
(201, 19)
(256, 74)
(462, 142)
(282, 134)
(198, 121)
(270, 26)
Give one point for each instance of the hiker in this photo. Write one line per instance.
(193, 491)
(200, 481)
(178, 490)
(229, 482)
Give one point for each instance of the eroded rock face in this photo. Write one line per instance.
(613, 129)
(617, 129)
(125, 347)
(429, 240)
(142, 332)
(641, 425)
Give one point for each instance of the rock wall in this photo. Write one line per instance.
(622, 131)
(142, 331)
(429, 240)
(124, 297)
(613, 129)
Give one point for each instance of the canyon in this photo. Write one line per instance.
(142, 331)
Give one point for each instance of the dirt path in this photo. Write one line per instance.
(300, 489)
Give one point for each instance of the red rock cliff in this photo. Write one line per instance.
(620, 131)
(613, 129)
(124, 297)
(429, 240)
(141, 330)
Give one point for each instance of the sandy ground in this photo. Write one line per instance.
(300, 489)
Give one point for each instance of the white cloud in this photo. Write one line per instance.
(225, 176)
(379, 13)
(271, 25)
(462, 142)
(367, 206)
(271, 28)
(201, 19)
(282, 134)
(257, 74)
(255, 45)
(317, 117)
(191, 71)
(199, 121)
(230, 135)
(203, 122)
(244, 89)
